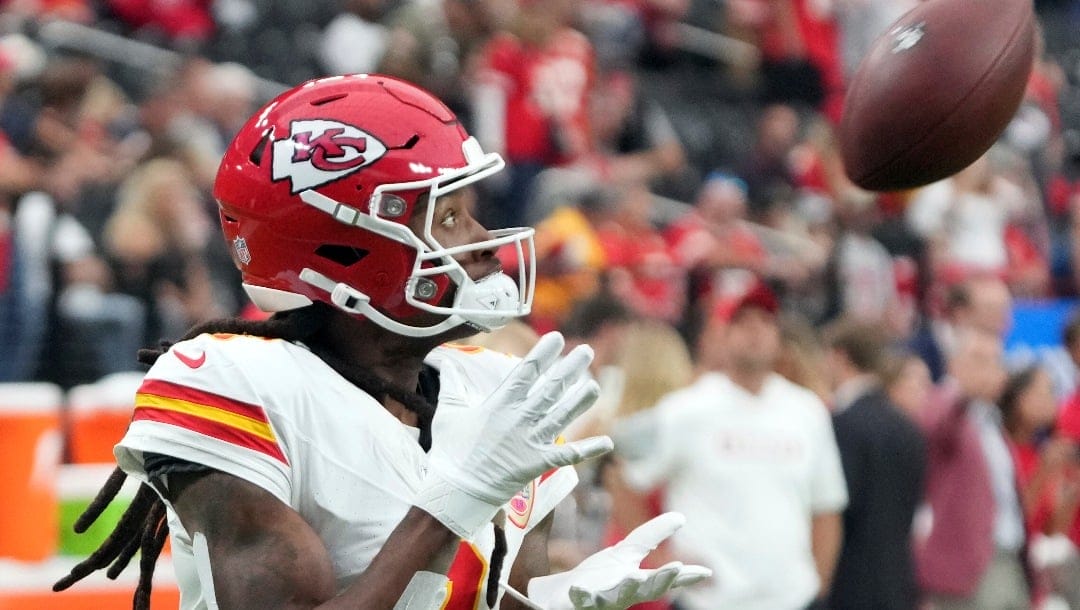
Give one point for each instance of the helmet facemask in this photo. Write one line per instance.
(486, 304)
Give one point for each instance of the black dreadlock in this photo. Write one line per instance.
(143, 525)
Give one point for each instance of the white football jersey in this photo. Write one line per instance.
(272, 413)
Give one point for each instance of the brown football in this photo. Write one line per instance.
(935, 91)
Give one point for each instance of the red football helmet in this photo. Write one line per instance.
(316, 190)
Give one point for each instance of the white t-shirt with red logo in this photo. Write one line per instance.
(749, 472)
(272, 413)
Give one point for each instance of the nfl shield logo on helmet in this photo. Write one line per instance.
(320, 151)
(242, 253)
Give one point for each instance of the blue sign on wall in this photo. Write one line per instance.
(1036, 337)
(1039, 323)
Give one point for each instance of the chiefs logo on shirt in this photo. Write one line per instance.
(319, 151)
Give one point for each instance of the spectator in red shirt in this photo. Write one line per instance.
(642, 270)
(1029, 408)
(799, 42)
(1047, 472)
(1068, 419)
(530, 100)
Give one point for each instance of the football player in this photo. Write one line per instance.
(341, 454)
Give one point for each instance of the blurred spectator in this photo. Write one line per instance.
(802, 358)
(1047, 471)
(750, 459)
(654, 361)
(224, 94)
(861, 22)
(71, 10)
(1070, 340)
(59, 319)
(972, 556)
(964, 219)
(601, 322)
(1036, 130)
(354, 42)
(184, 23)
(982, 302)
(800, 47)
(437, 44)
(632, 136)
(767, 168)
(1027, 234)
(884, 459)
(641, 269)
(1068, 417)
(171, 116)
(569, 256)
(155, 242)
(908, 383)
(531, 99)
(651, 361)
(94, 330)
(714, 237)
(190, 113)
(860, 272)
(74, 112)
(1029, 410)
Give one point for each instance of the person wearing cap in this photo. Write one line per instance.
(751, 460)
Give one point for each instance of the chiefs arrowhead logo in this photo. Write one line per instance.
(319, 151)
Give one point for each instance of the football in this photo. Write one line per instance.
(935, 91)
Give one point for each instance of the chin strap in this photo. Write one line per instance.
(349, 299)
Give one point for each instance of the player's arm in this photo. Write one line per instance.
(612, 579)
(532, 561)
(827, 534)
(264, 555)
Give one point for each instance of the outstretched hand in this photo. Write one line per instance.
(613, 579)
(487, 454)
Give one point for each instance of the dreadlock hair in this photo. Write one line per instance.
(143, 525)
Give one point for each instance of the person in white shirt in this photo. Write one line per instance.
(751, 460)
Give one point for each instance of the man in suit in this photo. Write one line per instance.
(884, 459)
(972, 556)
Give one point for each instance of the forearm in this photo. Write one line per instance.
(419, 543)
(826, 537)
(532, 561)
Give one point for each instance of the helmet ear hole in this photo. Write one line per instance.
(346, 256)
(257, 153)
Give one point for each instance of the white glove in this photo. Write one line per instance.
(613, 578)
(486, 454)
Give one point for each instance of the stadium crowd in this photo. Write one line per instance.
(694, 225)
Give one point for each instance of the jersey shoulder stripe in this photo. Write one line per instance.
(217, 416)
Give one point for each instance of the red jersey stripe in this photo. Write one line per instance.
(166, 389)
(209, 427)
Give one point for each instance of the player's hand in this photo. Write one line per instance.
(613, 578)
(484, 455)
